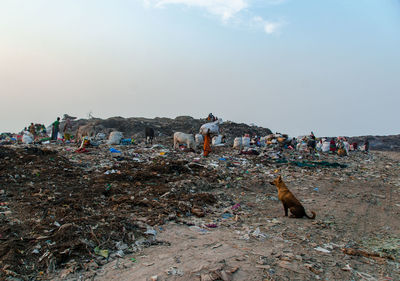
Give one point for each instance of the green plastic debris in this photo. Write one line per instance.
(103, 253)
(311, 164)
(133, 260)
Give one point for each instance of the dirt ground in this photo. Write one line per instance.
(157, 214)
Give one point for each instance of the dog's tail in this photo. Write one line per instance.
(313, 215)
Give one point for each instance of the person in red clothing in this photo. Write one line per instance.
(207, 143)
(332, 146)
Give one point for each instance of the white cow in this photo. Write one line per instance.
(199, 139)
(188, 139)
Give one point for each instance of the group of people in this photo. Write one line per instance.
(337, 145)
(55, 128)
(310, 143)
(38, 130)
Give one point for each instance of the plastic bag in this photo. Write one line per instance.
(27, 138)
(217, 140)
(115, 138)
(237, 143)
(246, 141)
(213, 127)
(325, 146)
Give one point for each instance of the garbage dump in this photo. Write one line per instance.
(154, 212)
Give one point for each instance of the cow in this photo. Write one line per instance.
(199, 139)
(149, 135)
(85, 131)
(188, 139)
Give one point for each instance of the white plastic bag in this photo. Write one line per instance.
(213, 127)
(325, 146)
(246, 141)
(217, 140)
(115, 138)
(27, 138)
(237, 143)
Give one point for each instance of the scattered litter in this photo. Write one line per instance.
(99, 252)
(319, 249)
(113, 150)
(175, 271)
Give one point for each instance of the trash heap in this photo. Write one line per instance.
(66, 210)
(56, 214)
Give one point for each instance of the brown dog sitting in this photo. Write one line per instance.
(289, 201)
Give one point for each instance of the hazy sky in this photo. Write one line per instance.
(330, 66)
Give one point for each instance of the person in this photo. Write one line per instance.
(311, 143)
(293, 143)
(207, 143)
(332, 146)
(366, 145)
(43, 130)
(55, 128)
(67, 126)
(32, 129)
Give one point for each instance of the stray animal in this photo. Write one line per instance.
(289, 201)
(149, 135)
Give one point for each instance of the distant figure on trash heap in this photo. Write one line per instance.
(366, 146)
(211, 118)
(55, 129)
(32, 130)
(332, 146)
(311, 143)
(207, 143)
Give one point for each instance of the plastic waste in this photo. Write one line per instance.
(115, 138)
(99, 252)
(27, 138)
(237, 142)
(213, 127)
(113, 150)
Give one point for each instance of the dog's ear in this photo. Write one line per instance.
(279, 178)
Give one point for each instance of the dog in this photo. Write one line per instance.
(289, 201)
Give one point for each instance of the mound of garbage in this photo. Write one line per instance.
(76, 215)
(164, 127)
(382, 143)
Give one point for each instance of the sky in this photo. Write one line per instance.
(294, 66)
